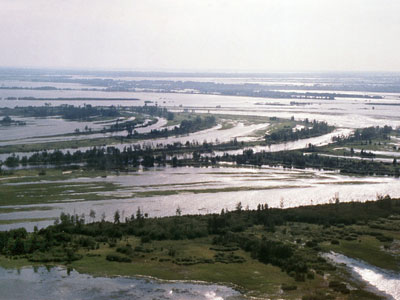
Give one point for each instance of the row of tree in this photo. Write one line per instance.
(310, 129)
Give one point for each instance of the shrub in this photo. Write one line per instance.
(118, 258)
(285, 287)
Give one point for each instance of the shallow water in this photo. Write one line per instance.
(318, 141)
(39, 127)
(160, 191)
(382, 280)
(42, 130)
(58, 283)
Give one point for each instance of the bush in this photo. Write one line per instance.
(339, 287)
(145, 239)
(125, 250)
(310, 275)
(285, 287)
(118, 258)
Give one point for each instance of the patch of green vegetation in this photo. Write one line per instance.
(16, 221)
(49, 192)
(254, 277)
(366, 248)
(4, 210)
(73, 144)
(209, 190)
(10, 262)
(227, 125)
(50, 174)
(246, 119)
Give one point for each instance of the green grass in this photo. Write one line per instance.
(9, 263)
(251, 277)
(368, 250)
(28, 193)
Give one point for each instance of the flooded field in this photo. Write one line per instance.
(160, 191)
(43, 130)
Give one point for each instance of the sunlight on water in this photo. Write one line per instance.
(383, 280)
(58, 283)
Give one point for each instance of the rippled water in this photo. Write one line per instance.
(58, 283)
(383, 280)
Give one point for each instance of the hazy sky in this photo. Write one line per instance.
(211, 35)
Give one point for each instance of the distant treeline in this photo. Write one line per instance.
(243, 89)
(72, 99)
(368, 134)
(69, 112)
(112, 158)
(297, 159)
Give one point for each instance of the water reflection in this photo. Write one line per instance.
(59, 283)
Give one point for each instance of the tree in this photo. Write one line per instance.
(92, 215)
(174, 162)
(178, 211)
(282, 203)
(139, 214)
(117, 217)
(239, 206)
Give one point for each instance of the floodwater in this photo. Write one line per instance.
(160, 191)
(42, 130)
(42, 127)
(218, 135)
(59, 283)
(382, 280)
(294, 145)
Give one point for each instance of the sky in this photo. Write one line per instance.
(202, 35)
